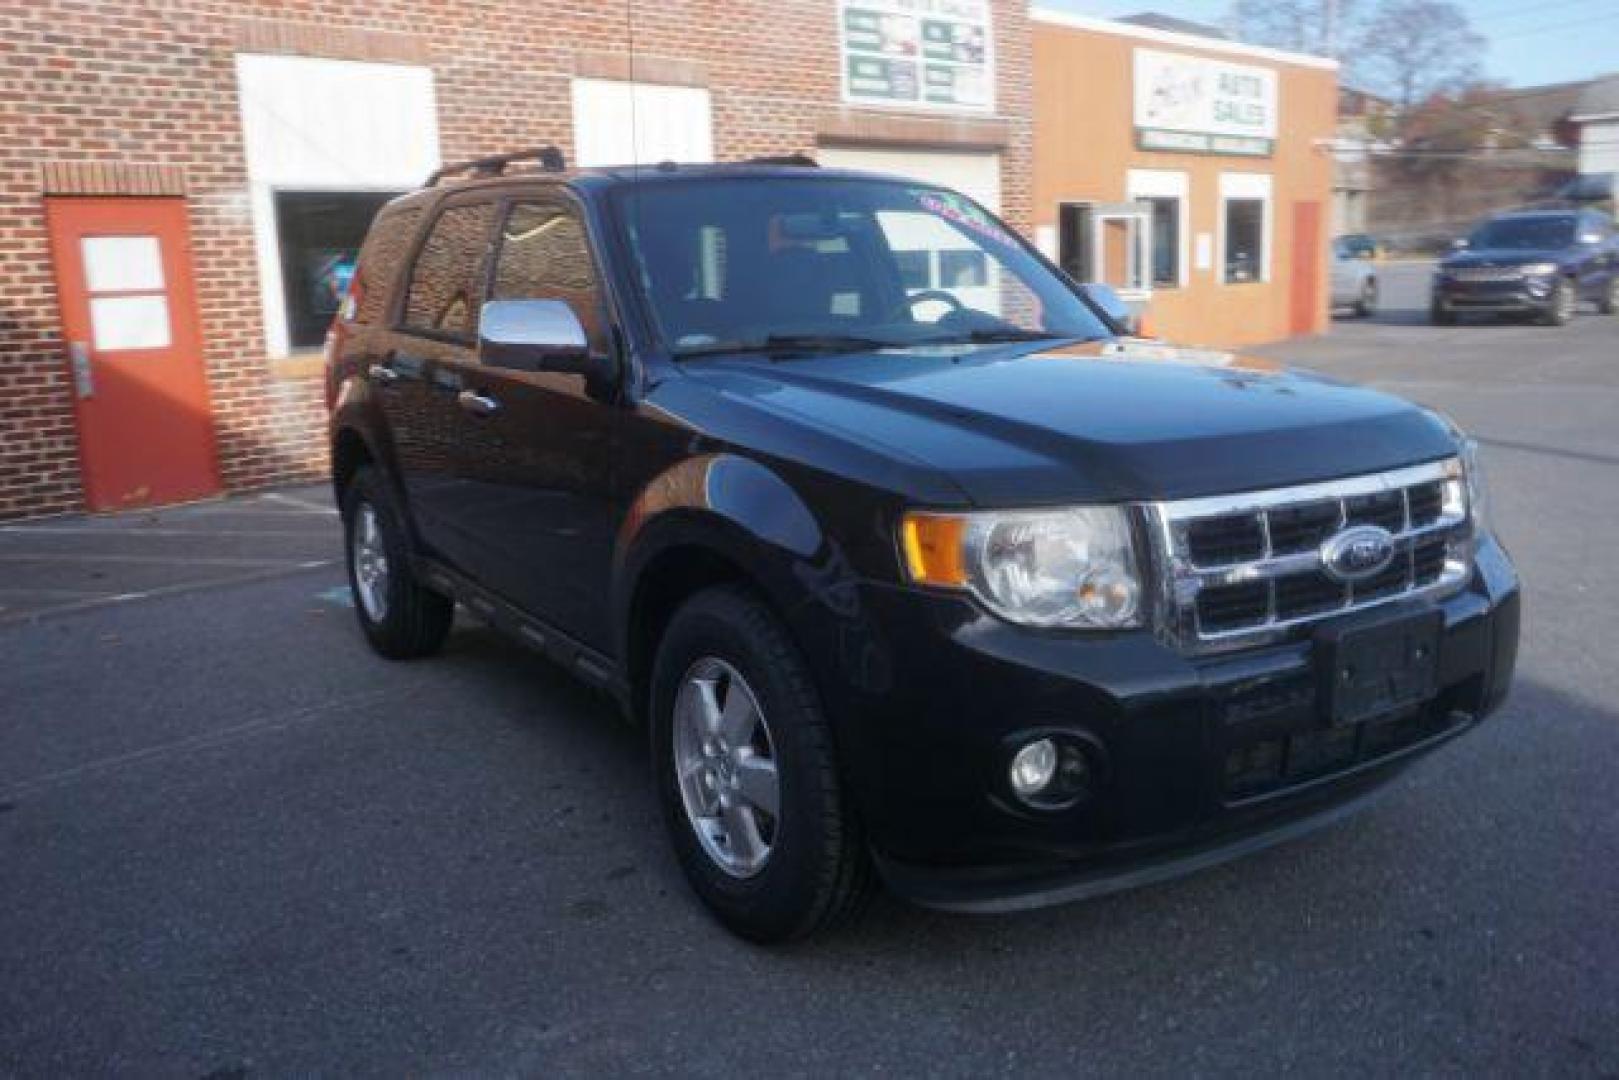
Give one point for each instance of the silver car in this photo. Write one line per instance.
(1354, 278)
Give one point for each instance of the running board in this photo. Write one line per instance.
(586, 663)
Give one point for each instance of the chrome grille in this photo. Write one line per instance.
(1486, 273)
(1236, 569)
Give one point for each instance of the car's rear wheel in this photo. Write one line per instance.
(1560, 308)
(1609, 304)
(747, 776)
(1367, 304)
(402, 618)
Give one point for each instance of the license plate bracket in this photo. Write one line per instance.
(1375, 666)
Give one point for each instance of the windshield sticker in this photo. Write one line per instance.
(956, 209)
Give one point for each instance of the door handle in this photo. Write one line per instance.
(382, 374)
(84, 379)
(477, 404)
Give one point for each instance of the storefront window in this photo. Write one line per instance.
(1106, 244)
(1166, 241)
(963, 269)
(914, 270)
(319, 234)
(1244, 240)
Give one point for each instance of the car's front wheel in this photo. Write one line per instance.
(1560, 308)
(1441, 313)
(747, 775)
(1367, 303)
(1609, 304)
(402, 618)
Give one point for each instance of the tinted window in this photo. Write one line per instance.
(446, 283)
(1244, 239)
(386, 246)
(1528, 234)
(544, 255)
(1166, 240)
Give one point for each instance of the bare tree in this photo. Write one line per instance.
(1403, 50)
(1322, 27)
(1411, 50)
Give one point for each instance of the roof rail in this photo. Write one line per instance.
(549, 157)
(796, 161)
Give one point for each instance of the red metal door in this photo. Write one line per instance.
(129, 316)
(1305, 307)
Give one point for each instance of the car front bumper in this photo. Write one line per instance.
(1196, 759)
(1520, 295)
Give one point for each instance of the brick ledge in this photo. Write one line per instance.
(857, 127)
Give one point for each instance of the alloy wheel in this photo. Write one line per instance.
(725, 767)
(370, 562)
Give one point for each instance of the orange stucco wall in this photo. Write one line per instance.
(1085, 143)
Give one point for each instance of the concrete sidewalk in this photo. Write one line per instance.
(74, 563)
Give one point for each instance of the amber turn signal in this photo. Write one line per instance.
(933, 549)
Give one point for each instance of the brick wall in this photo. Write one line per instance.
(153, 83)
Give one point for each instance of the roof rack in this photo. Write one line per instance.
(549, 157)
(797, 161)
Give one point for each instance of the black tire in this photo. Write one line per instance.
(1560, 308)
(1367, 304)
(1441, 313)
(413, 620)
(1609, 304)
(817, 873)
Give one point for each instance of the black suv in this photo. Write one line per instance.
(910, 561)
(1539, 263)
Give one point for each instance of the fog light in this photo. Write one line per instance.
(1033, 767)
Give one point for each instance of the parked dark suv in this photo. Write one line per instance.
(908, 559)
(1539, 263)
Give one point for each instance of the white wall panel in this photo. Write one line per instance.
(624, 123)
(328, 125)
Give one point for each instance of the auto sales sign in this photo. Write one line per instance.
(1191, 104)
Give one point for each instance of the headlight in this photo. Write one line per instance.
(1538, 269)
(1473, 486)
(1072, 568)
(1478, 495)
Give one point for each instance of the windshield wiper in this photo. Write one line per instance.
(777, 345)
(992, 335)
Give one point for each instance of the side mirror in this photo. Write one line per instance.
(533, 335)
(1107, 301)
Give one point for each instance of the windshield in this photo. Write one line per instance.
(1528, 234)
(822, 264)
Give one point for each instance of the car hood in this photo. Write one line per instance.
(1501, 257)
(1108, 421)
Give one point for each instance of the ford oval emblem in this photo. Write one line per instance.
(1357, 553)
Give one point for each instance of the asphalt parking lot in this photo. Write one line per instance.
(233, 842)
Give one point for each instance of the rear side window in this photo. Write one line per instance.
(446, 284)
(385, 248)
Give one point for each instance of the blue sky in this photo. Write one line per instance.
(1531, 41)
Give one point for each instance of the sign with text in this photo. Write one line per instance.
(924, 53)
(1196, 105)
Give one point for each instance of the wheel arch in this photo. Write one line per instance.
(350, 452)
(712, 520)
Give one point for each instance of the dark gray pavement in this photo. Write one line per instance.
(84, 563)
(232, 840)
